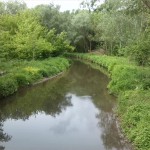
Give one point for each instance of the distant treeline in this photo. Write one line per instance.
(120, 28)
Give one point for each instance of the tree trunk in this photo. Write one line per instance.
(111, 48)
(90, 46)
(33, 55)
(106, 47)
(120, 44)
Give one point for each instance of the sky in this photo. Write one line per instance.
(65, 4)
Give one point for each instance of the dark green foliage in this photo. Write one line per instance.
(22, 79)
(139, 52)
(8, 86)
(59, 42)
(123, 78)
(134, 110)
(43, 72)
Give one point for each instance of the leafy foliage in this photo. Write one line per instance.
(134, 110)
(117, 27)
(24, 37)
(8, 86)
(23, 73)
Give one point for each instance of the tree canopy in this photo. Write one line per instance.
(117, 27)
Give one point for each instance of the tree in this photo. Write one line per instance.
(59, 42)
(29, 40)
(8, 27)
(90, 5)
(2, 8)
(12, 7)
(81, 23)
(49, 16)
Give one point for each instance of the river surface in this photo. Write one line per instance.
(70, 112)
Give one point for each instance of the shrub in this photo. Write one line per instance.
(44, 72)
(24, 73)
(8, 86)
(23, 79)
(134, 110)
(32, 72)
(123, 78)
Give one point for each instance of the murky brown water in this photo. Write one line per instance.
(71, 112)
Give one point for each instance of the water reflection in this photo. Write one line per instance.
(3, 136)
(70, 112)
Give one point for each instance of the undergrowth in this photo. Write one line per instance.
(15, 74)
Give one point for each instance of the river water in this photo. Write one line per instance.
(70, 112)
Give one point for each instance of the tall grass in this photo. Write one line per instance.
(23, 73)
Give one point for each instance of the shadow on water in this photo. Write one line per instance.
(3, 136)
(73, 108)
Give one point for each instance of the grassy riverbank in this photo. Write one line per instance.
(131, 84)
(15, 74)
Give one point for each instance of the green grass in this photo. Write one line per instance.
(132, 85)
(134, 109)
(23, 73)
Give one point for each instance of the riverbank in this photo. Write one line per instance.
(131, 84)
(25, 73)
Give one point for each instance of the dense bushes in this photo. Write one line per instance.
(23, 37)
(134, 109)
(128, 77)
(22, 73)
(132, 85)
(138, 51)
(8, 86)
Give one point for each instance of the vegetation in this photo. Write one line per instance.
(30, 38)
(22, 36)
(27, 47)
(132, 84)
(120, 28)
(23, 73)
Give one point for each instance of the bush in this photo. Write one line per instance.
(134, 110)
(124, 78)
(23, 79)
(32, 72)
(23, 73)
(8, 86)
(44, 72)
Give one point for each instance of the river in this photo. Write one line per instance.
(71, 112)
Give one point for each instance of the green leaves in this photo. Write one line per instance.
(23, 37)
(24, 73)
(134, 110)
(7, 86)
